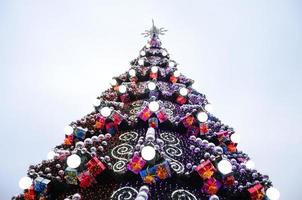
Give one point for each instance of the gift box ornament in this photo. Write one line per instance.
(86, 179)
(204, 128)
(30, 194)
(211, 186)
(41, 184)
(181, 100)
(153, 75)
(116, 117)
(229, 180)
(221, 135)
(71, 176)
(125, 97)
(153, 122)
(148, 175)
(145, 114)
(257, 192)
(100, 122)
(163, 170)
(157, 172)
(95, 166)
(193, 130)
(136, 164)
(161, 116)
(205, 169)
(173, 79)
(80, 133)
(188, 121)
(111, 128)
(232, 147)
(68, 140)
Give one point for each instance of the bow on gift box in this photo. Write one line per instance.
(115, 117)
(71, 176)
(30, 194)
(86, 179)
(211, 186)
(160, 171)
(257, 192)
(188, 121)
(95, 166)
(146, 113)
(206, 169)
(40, 184)
(136, 164)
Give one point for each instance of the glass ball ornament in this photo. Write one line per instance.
(235, 137)
(68, 130)
(148, 153)
(151, 86)
(183, 91)
(154, 69)
(132, 73)
(225, 166)
(122, 89)
(113, 82)
(272, 193)
(208, 107)
(154, 106)
(105, 111)
(176, 73)
(141, 62)
(250, 165)
(73, 161)
(202, 116)
(25, 183)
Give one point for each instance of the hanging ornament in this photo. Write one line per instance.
(174, 76)
(95, 166)
(225, 167)
(25, 183)
(136, 164)
(171, 64)
(74, 161)
(164, 53)
(211, 186)
(154, 72)
(205, 169)
(41, 184)
(71, 176)
(202, 116)
(204, 128)
(51, 155)
(142, 53)
(96, 102)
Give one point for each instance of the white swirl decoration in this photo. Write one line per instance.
(128, 136)
(121, 153)
(170, 138)
(172, 150)
(124, 193)
(177, 166)
(182, 194)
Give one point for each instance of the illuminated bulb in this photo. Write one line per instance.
(122, 89)
(272, 193)
(208, 107)
(25, 183)
(235, 137)
(164, 53)
(106, 111)
(176, 73)
(151, 86)
(202, 116)
(154, 106)
(141, 61)
(171, 64)
(148, 45)
(113, 82)
(224, 166)
(154, 69)
(68, 130)
(51, 155)
(183, 91)
(132, 72)
(96, 102)
(148, 153)
(250, 164)
(143, 53)
(73, 161)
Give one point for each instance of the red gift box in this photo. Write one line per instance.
(100, 122)
(173, 79)
(86, 179)
(116, 117)
(204, 128)
(229, 180)
(188, 121)
(206, 169)
(95, 166)
(145, 114)
(161, 116)
(257, 192)
(181, 100)
(30, 194)
(211, 186)
(125, 98)
(153, 75)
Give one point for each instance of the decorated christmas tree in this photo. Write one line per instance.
(150, 136)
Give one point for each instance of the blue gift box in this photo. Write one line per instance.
(40, 184)
(71, 176)
(80, 133)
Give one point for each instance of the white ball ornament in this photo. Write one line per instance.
(224, 166)
(154, 106)
(151, 86)
(250, 165)
(106, 111)
(148, 153)
(132, 72)
(51, 155)
(272, 193)
(183, 91)
(171, 64)
(164, 53)
(141, 62)
(202, 116)
(122, 89)
(113, 82)
(73, 161)
(25, 183)
(176, 73)
(235, 137)
(154, 69)
(68, 130)
(143, 53)
(208, 107)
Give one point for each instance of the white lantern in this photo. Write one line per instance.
(235, 137)
(272, 193)
(176, 73)
(96, 102)
(122, 89)
(202, 116)
(154, 69)
(164, 52)
(132, 73)
(224, 166)
(143, 53)
(73, 161)
(250, 165)
(151, 86)
(148, 153)
(68, 130)
(106, 111)
(113, 82)
(183, 91)
(25, 183)
(141, 62)
(154, 106)
(51, 155)
(171, 64)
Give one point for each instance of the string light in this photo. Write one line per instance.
(143, 53)
(202, 116)
(171, 64)
(148, 153)
(51, 155)
(96, 102)
(73, 161)
(141, 62)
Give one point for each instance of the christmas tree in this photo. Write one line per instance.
(151, 136)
